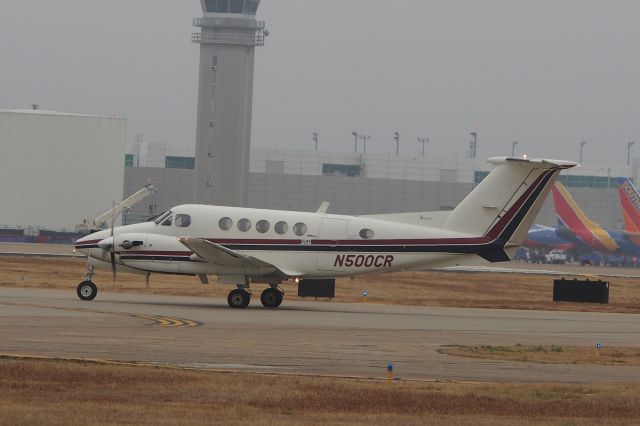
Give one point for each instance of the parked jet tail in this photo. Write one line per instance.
(503, 207)
(630, 203)
(571, 217)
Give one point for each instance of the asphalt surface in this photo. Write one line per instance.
(304, 337)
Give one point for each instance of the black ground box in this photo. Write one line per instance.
(582, 291)
(317, 288)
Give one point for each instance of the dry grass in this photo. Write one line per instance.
(62, 392)
(458, 289)
(552, 354)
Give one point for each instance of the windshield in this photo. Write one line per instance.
(162, 217)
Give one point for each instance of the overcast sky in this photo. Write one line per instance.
(548, 73)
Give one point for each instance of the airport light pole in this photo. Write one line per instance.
(629, 145)
(582, 144)
(396, 137)
(423, 141)
(355, 136)
(315, 139)
(364, 139)
(473, 145)
(513, 148)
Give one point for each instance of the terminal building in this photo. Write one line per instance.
(370, 183)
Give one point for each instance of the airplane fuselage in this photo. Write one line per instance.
(313, 245)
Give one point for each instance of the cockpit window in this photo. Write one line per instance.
(168, 221)
(183, 220)
(162, 217)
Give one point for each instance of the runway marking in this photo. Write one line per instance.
(170, 321)
(157, 320)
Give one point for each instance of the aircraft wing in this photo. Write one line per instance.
(220, 255)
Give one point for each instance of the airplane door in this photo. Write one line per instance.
(333, 230)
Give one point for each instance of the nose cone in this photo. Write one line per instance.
(85, 244)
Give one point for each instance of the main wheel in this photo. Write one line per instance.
(271, 298)
(239, 298)
(87, 290)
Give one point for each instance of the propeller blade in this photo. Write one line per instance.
(113, 245)
(148, 276)
(113, 265)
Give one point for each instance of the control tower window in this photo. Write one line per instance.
(223, 6)
(251, 7)
(211, 6)
(237, 6)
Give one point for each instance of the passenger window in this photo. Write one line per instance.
(281, 228)
(183, 220)
(244, 225)
(263, 226)
(366, 234)
(225, 223)
(168, 221)
(300, 229)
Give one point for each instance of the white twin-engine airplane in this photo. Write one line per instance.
(245, 246)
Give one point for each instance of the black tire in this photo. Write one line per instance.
(271, 298)
(87, 290)
(238, 298)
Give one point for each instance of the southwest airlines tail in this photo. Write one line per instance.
(571, 216)
(630, 203)
(503, 207)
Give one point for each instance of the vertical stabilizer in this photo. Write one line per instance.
(505, 204)
(571, 216)
(630, 203)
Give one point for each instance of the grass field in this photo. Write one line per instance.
(70, 393)
(457, 289)
(550, 354)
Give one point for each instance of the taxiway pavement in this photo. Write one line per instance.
(304, 337)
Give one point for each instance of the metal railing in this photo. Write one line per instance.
(229, 23)
(256, 39)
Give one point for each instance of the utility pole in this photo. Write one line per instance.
(513, 148)
(364, 139)
(315, 139)
(355, 136)
(473, 145)
(423, 141)
(396, 137)
(582, 144)
(629, 145)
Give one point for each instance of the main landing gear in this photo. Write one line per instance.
(272, 297)
(241, 297)
(87, 290)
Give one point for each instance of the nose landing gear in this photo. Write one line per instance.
(87, 290)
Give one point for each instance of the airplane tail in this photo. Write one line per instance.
(570, 215)
(503, 207)
(630, 203)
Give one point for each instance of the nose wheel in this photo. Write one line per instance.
(87, 290)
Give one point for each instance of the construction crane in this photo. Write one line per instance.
(103, 220)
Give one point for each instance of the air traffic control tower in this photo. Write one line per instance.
(227, 41)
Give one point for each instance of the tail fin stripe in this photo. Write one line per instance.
(509, 222)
